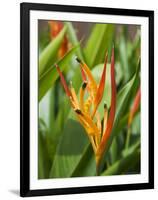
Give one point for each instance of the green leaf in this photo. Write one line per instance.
(98, 43)
(51, 107)
(134, 52)
(124, 58)
(48, 55)
(131, 148)
(87, 164)
(44, 163)
(50, 76)
(135, 126)
(52, 119)
(114, 150)
(40, 157)
(124, 164)
(44, 108)
(70, 149)
(129, 53)
(73, 38)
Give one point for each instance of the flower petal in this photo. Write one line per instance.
(82, 92)
(93, 84)
(106, 135)
(100, 90)
(82, 71)
(68, 92)
(93, 130)
(87, 105)
(74, 97)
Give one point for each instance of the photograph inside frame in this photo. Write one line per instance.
(89, 99)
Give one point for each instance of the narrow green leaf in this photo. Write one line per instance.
(134, 52)
(48, 55)
(87, 165)
(49, 77)
(98, 43)
(114, 150)
(47, 114)
(124, 58)
(73, 38)
(40, 157)
(135, 126)
(131, 148)
(44, 163)
(51, 111)
(44, 107)
(123, 165)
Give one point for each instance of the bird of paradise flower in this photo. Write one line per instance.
(86, 109)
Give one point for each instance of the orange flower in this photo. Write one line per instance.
(55, 28)
(86, 108)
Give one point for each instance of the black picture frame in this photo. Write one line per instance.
(25, 9)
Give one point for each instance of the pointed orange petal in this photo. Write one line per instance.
(89, 121)
(88, 73)
(106, 135)
(82, 92)
(100, 89)
(82, 71)
(74, 96)
(134, 107)
(86, 120)
(63, 81)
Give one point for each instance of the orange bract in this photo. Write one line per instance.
(111, 118)
(100, 89)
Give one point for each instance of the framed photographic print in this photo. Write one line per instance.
(87, 99)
